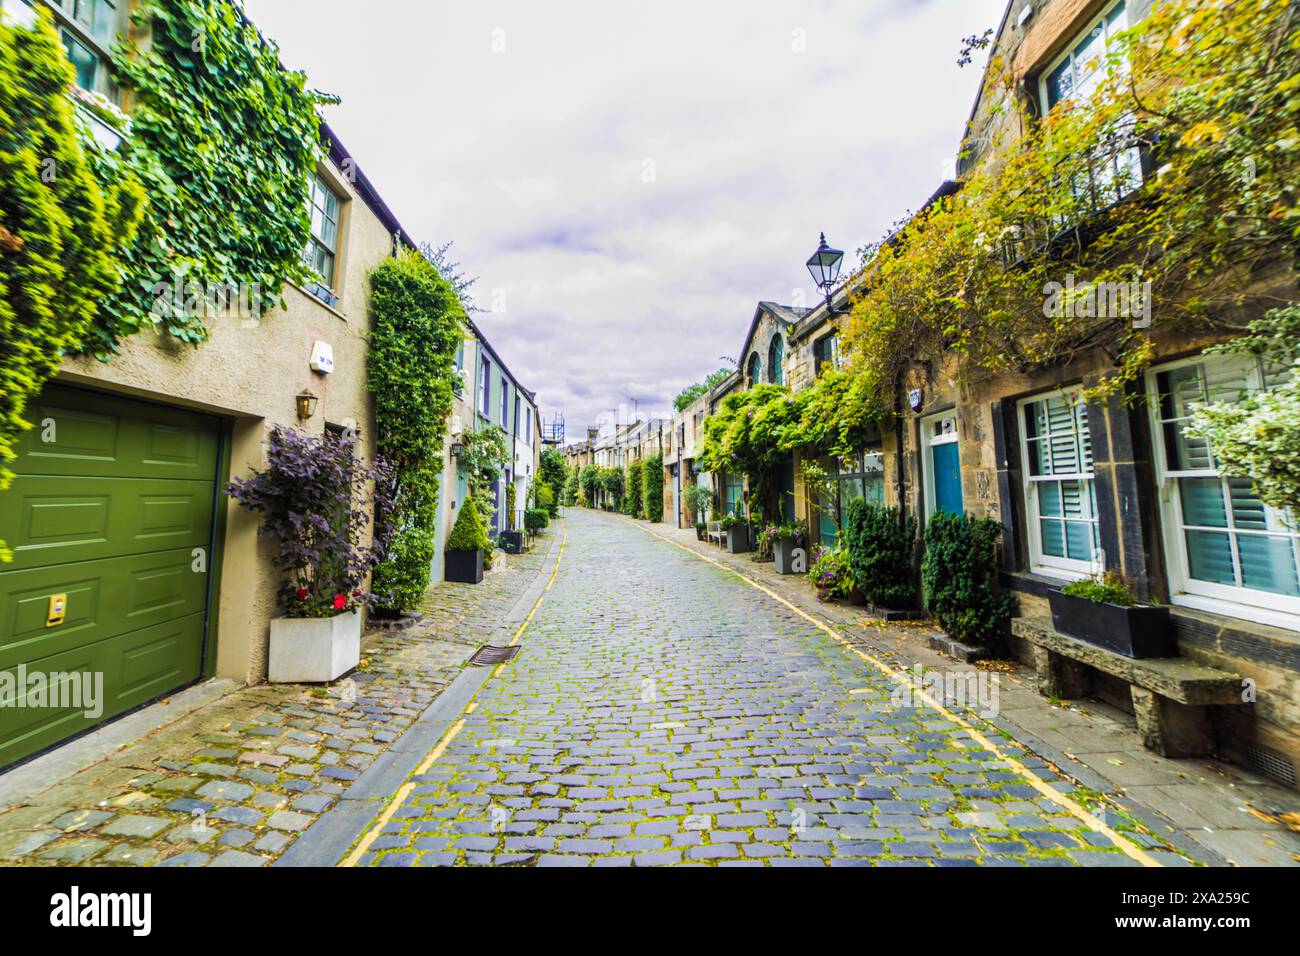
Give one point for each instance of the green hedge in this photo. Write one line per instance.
(880, 553)
(652, 488)
(536, 519)
(960, 578)
(632, 502)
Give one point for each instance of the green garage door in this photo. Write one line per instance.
(112, 507)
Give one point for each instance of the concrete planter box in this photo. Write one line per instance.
(737, 539)
(1140, 631)
(783, 552)
(463, 567)
(314, 650)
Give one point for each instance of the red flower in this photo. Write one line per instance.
(339, 602)
(300, 594)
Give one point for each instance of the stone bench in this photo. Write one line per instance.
(1171, 695)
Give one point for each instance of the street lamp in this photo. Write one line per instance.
(824, 266)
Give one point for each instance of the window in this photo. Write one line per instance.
(458, 381)
(859, 476)
(755, 369)
(1060, 496)
(775, 354)
(505, 409)
(826, 351)
(485, 387)
(322, 248)
(1226, 550)
(1076, 75)
(733, 493)
(88, 29)
(517, 403)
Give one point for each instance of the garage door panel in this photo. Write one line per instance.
(110, 500)
(58, 520)
(94, 434)
(105, 597)
(31, 727)
(155, 660)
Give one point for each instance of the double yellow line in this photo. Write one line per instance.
(1071, 806)
(445, 740)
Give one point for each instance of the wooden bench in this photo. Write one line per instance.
(1171, 695)
(717, 534)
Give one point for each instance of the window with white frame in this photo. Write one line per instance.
(1076, 76)
(485, 388)
(1060, 494)
(323, 247)
(1226, 550)
(505, 407)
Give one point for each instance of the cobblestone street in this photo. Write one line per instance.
(663, 711)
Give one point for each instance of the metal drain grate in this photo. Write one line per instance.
(1271, 763)
(488, 654)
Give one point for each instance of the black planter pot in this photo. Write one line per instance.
(701, 532)
(737, 539)
(783, 553)
(1141, 631)
(464, 567)
(512, 542)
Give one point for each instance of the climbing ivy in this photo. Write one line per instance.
(418, 322)
(652, 487)
(225, 141)
(60, 231)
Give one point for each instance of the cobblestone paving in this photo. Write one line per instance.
(235, 783)
(663, 712)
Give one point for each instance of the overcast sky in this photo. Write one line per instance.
(628, 180)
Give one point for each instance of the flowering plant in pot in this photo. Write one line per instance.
(1103, 610)
(831, 574)
(737, 532)
(786, 542)
(317, 498)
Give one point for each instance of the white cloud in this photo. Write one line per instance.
(533, 159)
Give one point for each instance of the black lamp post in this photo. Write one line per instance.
(824, 266)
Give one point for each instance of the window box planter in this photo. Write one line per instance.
(784, 552)
(314, 650)
(512, 542)
(463, 567)
(1139, 631)
(737, 538)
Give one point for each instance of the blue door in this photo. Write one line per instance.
(947, 478)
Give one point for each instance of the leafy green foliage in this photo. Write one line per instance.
(1258, 436)
(536, 519)
(589, 484)
(225, 141)
(699, 500)
(1210, 91)
(418, 322)
(544, 497)
(612, 483)
(831, 574)
(652, 487)
(633, 503)
(484, 456)
(61, 232)
(469, 533)
(691, 392)
(555, 474)
(1108, 588)
(959, 577)
(571, 483)
(880, 553)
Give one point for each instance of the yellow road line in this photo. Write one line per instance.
(443, 742)
(1071, 806)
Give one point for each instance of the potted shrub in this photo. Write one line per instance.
(959, 577)
(536, 520)
(785, 541)
(880, 547)
(699, 501)
(512, 541)
(1103, 610)
(315, 497)
(737, 533)
(701, 529)
(463, 557)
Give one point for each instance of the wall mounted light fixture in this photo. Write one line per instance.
(306, 405)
